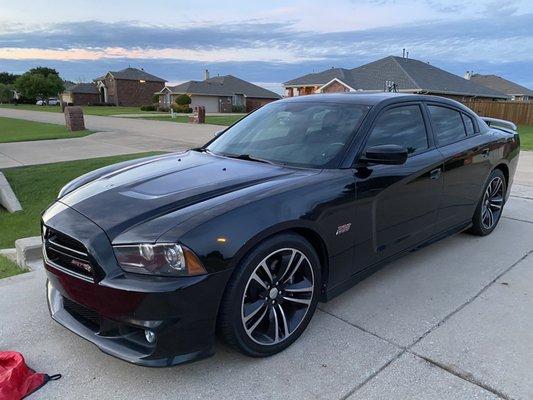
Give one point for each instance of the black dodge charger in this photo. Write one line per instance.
(290, 206)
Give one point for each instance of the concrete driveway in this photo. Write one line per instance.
(115, 136)
(451, 321)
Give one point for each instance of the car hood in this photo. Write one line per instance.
(139, 192)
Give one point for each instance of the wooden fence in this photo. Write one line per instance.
(519, 112)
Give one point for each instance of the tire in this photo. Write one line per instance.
(253, 305)
(490, 206)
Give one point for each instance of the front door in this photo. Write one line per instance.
(397, 205)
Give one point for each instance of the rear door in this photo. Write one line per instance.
(466, 163)
(397, 205)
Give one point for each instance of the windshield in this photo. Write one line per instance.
(300, 134)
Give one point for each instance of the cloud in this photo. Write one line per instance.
(268, 51)
(510, 37)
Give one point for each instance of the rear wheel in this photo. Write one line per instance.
(490, 206)
(271, 297)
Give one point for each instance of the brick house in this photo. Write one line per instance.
(398, 74)
(219, 94)
(81, 94)
(128, 87)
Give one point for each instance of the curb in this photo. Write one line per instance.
(29, 251)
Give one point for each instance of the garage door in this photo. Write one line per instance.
(209, 102)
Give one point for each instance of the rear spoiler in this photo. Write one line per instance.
(507, 126)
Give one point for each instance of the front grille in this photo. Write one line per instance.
(84, 315)
(68, 254)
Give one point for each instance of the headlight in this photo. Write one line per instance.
(165, 259)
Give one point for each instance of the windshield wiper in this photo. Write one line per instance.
(247, 157)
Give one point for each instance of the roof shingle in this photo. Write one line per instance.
(82, 88)
(408, 74)
(133, 74)
(226, 85)
(503, 85)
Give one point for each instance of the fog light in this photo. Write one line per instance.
(150, 336)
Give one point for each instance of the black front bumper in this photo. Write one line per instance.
(113, 309)
(181, 336)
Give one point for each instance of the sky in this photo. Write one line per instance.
(266, 42)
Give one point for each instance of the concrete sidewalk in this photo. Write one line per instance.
(451, 321)
(116, 136)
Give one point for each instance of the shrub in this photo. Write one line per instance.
(183, 100)
(155, 98)
(150, 107)
(238, 109)
(181, 108)
(163, 108)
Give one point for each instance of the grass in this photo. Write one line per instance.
(224, 120)
(19, 130)
(87, 110)
(526, 137)
(37, 186)
(9, 268)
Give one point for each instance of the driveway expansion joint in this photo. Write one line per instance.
(517, 219)
(466, 376)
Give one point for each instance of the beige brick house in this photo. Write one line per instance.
(219, 94)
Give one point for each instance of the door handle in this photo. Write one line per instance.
(485, 153)
(435, 174)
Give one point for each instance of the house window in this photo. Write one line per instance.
(238, 100)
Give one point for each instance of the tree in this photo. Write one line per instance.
(44, 71)
(6, 93)
(8, 79)
(38, 85)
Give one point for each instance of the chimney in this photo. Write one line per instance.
(407, 55)
(468, 75)
(403, 53)
(206, 74)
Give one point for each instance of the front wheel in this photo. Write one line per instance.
(271, 297)
(490, 206)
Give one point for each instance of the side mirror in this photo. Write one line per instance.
(218, 133)
(389, 154)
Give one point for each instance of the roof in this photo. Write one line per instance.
(407, 73)
(226, 85)
(85, 88)
(321, 78)
(503, 85)
(133, 74)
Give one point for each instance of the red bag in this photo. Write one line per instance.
(17, 380)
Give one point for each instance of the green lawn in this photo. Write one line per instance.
(19, 130)
(526, 136)
(9, 268)
(224, 120)
(37, 186)
(88, 110)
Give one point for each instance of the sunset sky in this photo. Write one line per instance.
(266, 42)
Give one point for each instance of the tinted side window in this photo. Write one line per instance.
(403, 126)
(469, 125)
(448, 124)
